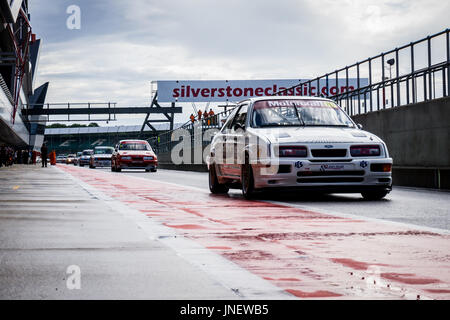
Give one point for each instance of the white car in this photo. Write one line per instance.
(305, 143)
(101, 157)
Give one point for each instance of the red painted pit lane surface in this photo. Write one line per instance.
(308, 254)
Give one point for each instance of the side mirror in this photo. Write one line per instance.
(360, 126)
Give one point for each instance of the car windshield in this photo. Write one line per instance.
(277, 113)
(103, 151)
(86, 153)
(133, 146)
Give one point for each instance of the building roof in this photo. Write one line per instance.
(112, 129)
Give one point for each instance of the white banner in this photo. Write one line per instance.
(237, 90)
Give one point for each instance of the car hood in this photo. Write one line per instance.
(136, 153)
(316, 135)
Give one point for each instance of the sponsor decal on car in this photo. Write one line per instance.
(325, 167)
(298, 164)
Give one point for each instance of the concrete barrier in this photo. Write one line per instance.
(418, 138)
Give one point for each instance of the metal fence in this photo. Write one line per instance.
(163, 142)
(418, 71)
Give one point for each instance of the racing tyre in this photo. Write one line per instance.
(147, 170)
(153, 170)
(214, 186)
(248, 182)
(374, 195)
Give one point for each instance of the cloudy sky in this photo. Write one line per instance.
(123, 45)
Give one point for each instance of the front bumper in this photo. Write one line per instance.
(102, 162)
(349, 175)
(130, 164)
(84, 161)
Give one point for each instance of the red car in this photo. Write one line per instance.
(134, 154)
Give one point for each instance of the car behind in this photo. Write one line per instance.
(134, 154)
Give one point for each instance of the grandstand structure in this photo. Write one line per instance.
(71, 140)
(19, 58)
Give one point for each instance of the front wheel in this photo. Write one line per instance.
(374, 195)
(214, 186)
(247, 180)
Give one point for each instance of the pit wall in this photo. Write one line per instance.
(418, 139)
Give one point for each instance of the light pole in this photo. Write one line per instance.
(390, 62)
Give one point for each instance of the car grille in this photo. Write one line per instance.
(328, 153)
(330, 173)
(330, 180)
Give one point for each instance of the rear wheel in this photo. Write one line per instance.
(247, 180)
(374, 195)
(153, 170)
(214, 186)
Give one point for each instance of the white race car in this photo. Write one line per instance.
(101, 157)
(307, 143)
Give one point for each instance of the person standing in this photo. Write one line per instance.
(192, 117)
(211, 115)
(44, 154)
(205, 117)
(33, 157)
(199, 115)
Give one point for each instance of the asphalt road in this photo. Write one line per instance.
(163, 235)
(422, 207)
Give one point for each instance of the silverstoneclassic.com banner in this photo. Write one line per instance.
(236, 90)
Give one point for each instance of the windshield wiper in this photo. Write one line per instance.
(299, 116)
(275, 124)
(328, 125)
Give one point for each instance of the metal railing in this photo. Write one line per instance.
(163, 142)
(416, 72)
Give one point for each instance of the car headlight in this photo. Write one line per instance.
(292, 151)
(148, 158)
(125, 158)
(361, 151)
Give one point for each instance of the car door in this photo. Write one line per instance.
(220, 146)
(236, 140)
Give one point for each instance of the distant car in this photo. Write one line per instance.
(101, 157)
(85, 157)
(70, 158)
(134, 154)
(61, 159)
(76, 161)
